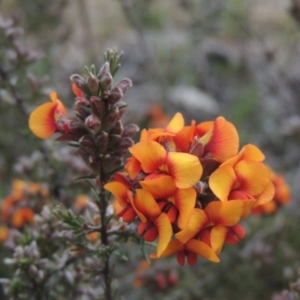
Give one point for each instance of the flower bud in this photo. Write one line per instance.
(115, 95)
(88, 144)
(93, 84)
(117, 129)
(101, 140)
(98, 106)
(122, 111)
(95, 163)
(82, 109)
(92, 122)
(130, 130)
(112, 162)
(112, 117)
(79, 81)
(113, 140)
(105, 77)
(76, 130)
(123, 144)
(124, 84)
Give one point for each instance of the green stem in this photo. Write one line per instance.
(104, 239)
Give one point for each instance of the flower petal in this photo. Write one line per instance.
(119, 190)
(253, 176)
(185, 200)
(162, 186)
(185, 168)
(222, 140)
(248, 152)
(266, 196)
(165, 232)
(197, 221)
(217, 237)
(42, 121)
(176, 123)
(222, 181)
(173, 246)
(225, 213)
(150, 154)
(202, 249)
(146, 204)
(133, 167)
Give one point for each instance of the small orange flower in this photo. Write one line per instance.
(237, 178)
(42, 121)
(4, 233)
(219, 138)
(282, 196)
(155, 223)
(174, 126)
(190, 249)
(184, 168)
(218, 217)
(21, 216)
(157, 117)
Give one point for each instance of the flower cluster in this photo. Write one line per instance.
(188, 187)
(20, 206)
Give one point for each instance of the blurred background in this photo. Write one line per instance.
(235, 58)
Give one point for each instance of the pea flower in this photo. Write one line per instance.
(43, 120)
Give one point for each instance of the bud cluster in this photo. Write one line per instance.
(99, 131)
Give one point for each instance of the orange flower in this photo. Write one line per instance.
(21, 216)
(155, 223)
(219, 138)
(81, 201)
(157, 116)
(282, 196)
(184, 168)
(4, 233)
(42, 121)
(218, 217)
(174, 126)
(244, 177)
(190, 249)
(121, 189)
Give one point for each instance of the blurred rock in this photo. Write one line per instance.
(191, 99)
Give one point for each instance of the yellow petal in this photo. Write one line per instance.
(222, 181)
(185, 200)
(217, 237)
(227, 213)
(173, 247)
(176, 124)
(222, 140)
(254, 176)
(202, 249)
(165, 232)
(119, 190)
(146, 204)
(162, 186)
(185, 168)
(42, 122)
(150, 154)
(197, 221)
(266, 196)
